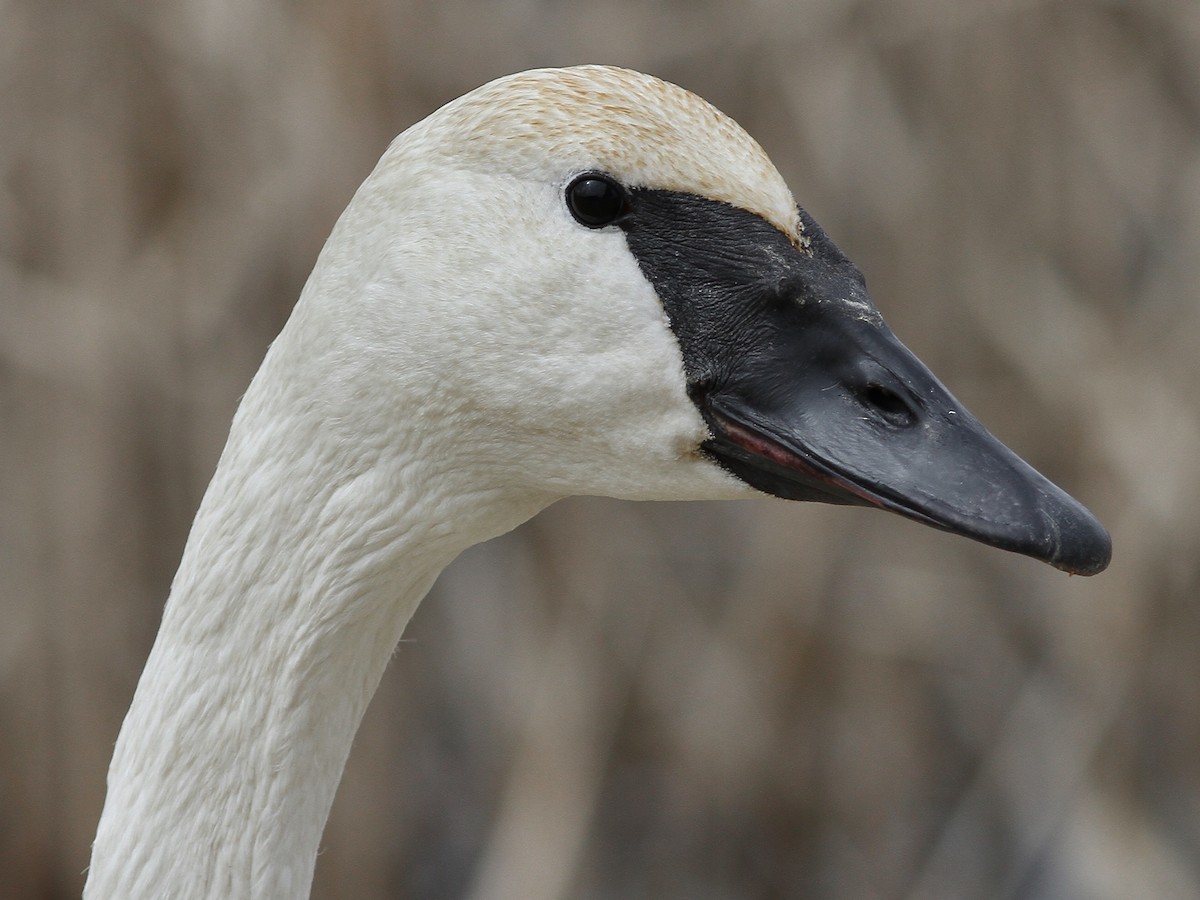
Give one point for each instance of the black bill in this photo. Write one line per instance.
(809, 395)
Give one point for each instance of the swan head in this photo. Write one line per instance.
(589, 281)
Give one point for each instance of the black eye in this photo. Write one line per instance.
(596, 200)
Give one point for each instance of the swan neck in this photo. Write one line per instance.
(303, 567)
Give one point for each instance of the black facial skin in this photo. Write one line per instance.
(809, 395)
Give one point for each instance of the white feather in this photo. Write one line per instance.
(463, 354)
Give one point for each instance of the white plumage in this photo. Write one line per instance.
(464, 353)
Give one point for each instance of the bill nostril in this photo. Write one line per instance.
(888, 404)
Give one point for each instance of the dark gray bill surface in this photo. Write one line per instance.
(809, 395)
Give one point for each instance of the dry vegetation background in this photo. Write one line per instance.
(760, 700)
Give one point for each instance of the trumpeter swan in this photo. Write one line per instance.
(577, 281)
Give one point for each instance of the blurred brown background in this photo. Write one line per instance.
(757, 700)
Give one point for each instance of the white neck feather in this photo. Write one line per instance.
(299, 578)
(464, 354)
